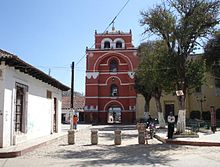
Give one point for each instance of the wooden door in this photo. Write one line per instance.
(19, 109)
(55, 116)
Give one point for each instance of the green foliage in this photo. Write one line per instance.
(148, 76)
(180, 24)
(195, 73)
(212, 54)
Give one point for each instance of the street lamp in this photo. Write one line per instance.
(201, 100)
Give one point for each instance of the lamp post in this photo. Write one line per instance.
(201, 100)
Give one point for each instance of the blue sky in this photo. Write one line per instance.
(50, 34)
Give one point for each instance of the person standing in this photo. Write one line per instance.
(213, 119)
(75, 120)
(171, 121)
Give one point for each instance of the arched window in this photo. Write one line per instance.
(107, 44)
(118, 44)
(113, 66)
(114, 90)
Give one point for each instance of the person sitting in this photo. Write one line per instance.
(149, 121)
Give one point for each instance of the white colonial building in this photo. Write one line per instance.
(30, 101)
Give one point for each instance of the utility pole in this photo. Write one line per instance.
(71, 132)
(72, 85)
(72, 96)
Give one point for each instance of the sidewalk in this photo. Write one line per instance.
(22, 148)
(203, 139)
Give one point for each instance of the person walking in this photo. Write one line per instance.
(75, 121)
(171, 121)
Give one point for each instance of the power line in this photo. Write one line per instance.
(112, 22)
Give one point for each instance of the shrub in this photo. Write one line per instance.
(195, 114)
(206, 115)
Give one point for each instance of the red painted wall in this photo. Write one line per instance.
(99, 79)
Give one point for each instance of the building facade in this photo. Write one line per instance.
(30, 101)
(110, 94)
(78, 106)
(200, 100)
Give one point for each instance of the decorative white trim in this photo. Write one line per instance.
(120, 40)
(91, 108)
(106, 40)
(131, 74)
(110, 97)
(124, 84)
(106, 82)
(116, 53)
(103, 64)
(128, 49)
(113, 57)
(120, 64)
(110, 73)
(91, 54)
(108, 111)
(112, 102)
(114, 34)
(93, 75)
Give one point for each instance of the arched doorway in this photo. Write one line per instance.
(114, 114)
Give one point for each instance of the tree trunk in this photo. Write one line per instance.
(181, 122)
(146, 107)
(160, 113)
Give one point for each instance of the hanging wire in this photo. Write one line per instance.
(112, 22)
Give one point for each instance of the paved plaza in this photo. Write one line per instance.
(59, 154)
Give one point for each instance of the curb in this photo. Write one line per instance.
(190, 143)
(13, 154)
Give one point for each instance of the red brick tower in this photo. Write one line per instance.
(110, 94)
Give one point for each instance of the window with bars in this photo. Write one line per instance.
(20, 109)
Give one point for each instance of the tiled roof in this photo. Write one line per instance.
(79, 101)
(13, 61)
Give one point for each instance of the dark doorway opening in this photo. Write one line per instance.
(114, 115)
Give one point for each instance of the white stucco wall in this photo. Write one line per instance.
(1, 106)
(39, 108)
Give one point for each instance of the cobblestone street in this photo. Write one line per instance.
(129, 153)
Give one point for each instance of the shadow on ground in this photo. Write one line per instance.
(121, 155)
(114, 127)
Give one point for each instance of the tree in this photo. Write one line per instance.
(142, 89)
(141, 81)
(181, 23)
(148, 74)
(212, 56)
